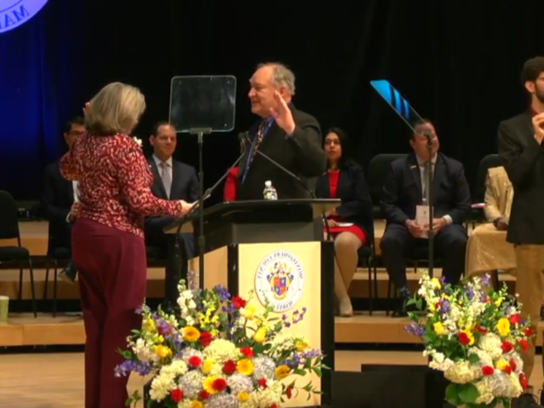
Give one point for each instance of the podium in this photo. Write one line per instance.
(275, 249)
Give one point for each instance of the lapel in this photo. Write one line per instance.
(252, 135)
(158, 187)
(413, 169)
(439, 175)
(324, 186)
(177, 178)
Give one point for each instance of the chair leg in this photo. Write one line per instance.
(55, 286)
(20, 296)
(370, 287)
(32, 288)
(46, 284)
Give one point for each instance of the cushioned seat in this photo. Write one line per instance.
(13, 253)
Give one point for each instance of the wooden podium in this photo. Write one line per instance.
(275, 248)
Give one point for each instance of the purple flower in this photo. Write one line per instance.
(415, 329)
(444, 306)
(470, 293)
(223, 293)
(294, 361)
(485, 280)
(130, 366)
(311, 354)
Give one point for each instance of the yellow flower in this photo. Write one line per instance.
(439, 329)
(243, 396)
(198, 404)
(260, 335)
(282, 371)
(503, 327)
(149, 325)
(245, 366)
(191, 334)
(249, 312)
(207, 366)
(301, 346)
(163, 351)
(502, 364)
(208, 385)
(436, 283)
(499, 301)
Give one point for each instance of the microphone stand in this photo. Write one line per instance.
(294, 176)
(430, 204)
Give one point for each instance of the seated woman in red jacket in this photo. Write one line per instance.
(351, 223)
(229, 192)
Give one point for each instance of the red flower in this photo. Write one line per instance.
(515, 319)
(262, 382)
(229, 367)
(523, 381)
(273, 406)
(488, 370)
(513, 365)
(204, 395)
(238, 302)
(507, 370)
(219, 385)
(507, 347)
(464, 339)
(176, 395)
(205, 338)
(247, 351)
(195, 361)
(528, 331)
(288, 392)
(524, 345)
(481, 329)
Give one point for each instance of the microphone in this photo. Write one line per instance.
(293, 176)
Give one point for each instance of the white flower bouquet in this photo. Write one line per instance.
(473, 336)
(221, 352)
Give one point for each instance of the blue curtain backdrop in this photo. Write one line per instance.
(38, 67)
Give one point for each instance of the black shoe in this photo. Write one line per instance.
(526, 401)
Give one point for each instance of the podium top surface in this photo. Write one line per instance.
(319, 206)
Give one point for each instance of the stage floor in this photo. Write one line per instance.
(56, 380)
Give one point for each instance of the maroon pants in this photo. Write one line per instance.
(112, 269)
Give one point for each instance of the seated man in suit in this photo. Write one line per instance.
(487, 248)
(58, 197)
(173, 180)
(405, 189)
(287, 135)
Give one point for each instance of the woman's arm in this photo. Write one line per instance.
(361, 205)
(135, 188)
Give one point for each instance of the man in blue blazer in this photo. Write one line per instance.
(404, 190)
(172, 180)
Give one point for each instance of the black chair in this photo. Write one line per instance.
(367, 257)
(18, 255)
(478, 193)
(378, 170)
(55, 253)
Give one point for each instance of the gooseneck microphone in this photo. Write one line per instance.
(245, 136)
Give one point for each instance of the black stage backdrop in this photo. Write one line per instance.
(457, 62)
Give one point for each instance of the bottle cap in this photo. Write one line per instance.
(268, 183)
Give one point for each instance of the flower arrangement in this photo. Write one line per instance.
(473, 336)
(220, 352)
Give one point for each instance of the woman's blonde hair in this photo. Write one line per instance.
(117, 108)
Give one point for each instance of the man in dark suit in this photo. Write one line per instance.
(173, 180)
(404, 190)
(58, 197)
(285, 134)
(522, 153)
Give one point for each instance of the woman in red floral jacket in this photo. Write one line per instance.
(107, 238)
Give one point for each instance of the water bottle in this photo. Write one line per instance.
(269, 192)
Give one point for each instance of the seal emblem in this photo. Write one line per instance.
(14, 13)
(279, 280)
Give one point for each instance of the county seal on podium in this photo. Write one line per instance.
(280, 280)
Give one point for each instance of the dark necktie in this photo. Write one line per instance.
(253, 150)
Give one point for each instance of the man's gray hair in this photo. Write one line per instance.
(282, 76)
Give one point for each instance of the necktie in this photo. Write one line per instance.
(253, 150)
(166, 178)
(425, 192)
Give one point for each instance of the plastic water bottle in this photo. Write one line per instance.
(269, 192)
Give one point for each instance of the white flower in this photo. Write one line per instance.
(462, 372)
(221, 350)
(491, 343)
